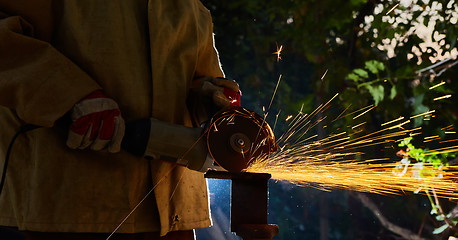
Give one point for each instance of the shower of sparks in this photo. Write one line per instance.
(324, 75)
(446, 141)
(340, 160)
(325, 172)
(288, 118)
(423, 114)
(364, 112)
(392, 9)
(275, 92)
(338, 117)
(352, 113)
(450, 127)
(359, 125)
(414, 134)
(431, 137)
(392, 121)
(437, 85)
(278, 52)
(443, 97)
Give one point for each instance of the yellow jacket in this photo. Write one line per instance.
(143, 54)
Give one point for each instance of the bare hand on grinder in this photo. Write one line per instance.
(97, 123)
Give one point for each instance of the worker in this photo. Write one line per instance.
(80, 69)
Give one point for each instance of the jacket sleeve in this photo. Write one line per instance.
(208, 65)
(208, 62)
(36, 81)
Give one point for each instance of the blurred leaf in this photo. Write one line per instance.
(393, 92)
(374, 66)
(418, 108)
(377, 92)
(405, 142)
(361, 72)
(354, 77)
(440, 229)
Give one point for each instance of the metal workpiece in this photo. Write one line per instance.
(249, 199)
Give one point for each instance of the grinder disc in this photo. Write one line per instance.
(237, 136)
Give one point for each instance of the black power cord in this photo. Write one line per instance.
(23, 129)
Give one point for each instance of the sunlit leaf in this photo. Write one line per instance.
(377, 92)
(354, 77)
(393, 93)
(361, 72)
(440, 229)
(374, 66)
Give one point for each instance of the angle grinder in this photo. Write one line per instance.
(231, 140)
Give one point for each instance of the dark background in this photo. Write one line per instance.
(340, 39)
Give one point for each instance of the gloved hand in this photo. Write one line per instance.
(224, 92)
(97, 123)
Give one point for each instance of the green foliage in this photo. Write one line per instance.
(370, 80)
(374, 66)
(421, 155)
(445, 226)
(369, 56)
(350, 41)
(435, 160)
(401, 86)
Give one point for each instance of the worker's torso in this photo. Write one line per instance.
(144, 54)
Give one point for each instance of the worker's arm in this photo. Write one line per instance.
(37, 81)
(211, 91)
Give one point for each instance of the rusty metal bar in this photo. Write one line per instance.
(249, 198)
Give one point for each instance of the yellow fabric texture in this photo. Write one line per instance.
(143, 54)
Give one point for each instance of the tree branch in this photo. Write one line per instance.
(367, 202)
(454, 212)
(441, 212)
(438, 66)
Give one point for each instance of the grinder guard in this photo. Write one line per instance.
(234, 137)
(238, 136)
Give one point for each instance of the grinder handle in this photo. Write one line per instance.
(136, 136)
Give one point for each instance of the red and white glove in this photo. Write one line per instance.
(97, 123)
(224, 92)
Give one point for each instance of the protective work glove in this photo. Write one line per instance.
(97, 123)
(224, 92)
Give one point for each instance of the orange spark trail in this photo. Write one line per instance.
(278, 52)
(341, 160)
(443, 97)
(437, 85)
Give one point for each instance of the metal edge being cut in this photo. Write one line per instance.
(237, 136)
